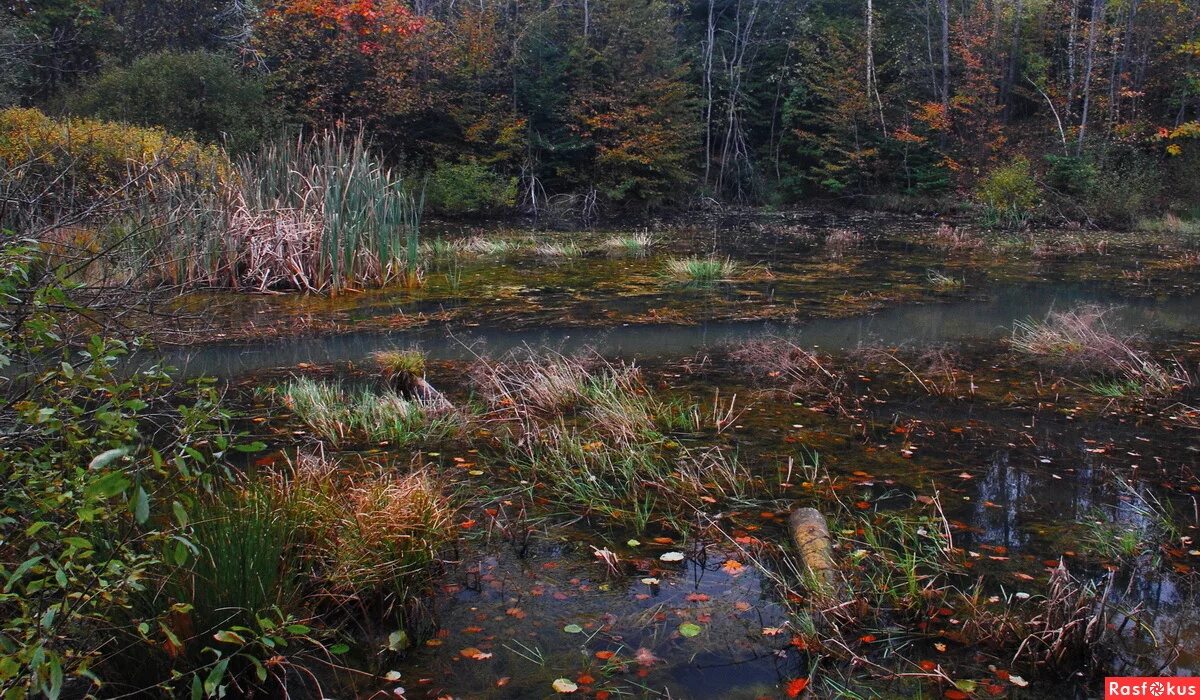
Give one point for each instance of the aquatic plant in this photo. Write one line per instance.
(443, 248)
(840, 240)
(557, 250)
(955, 238)
(398, 362)
(781, 361)
(702, 271)
(480, 245)
(634, 244)
(379, 416)
(371, 535)
(1081, 339)
(944, 282)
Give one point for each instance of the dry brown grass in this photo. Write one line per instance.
(952, 238)
(1081, 340)
(372, 535)
(841, 240)
(781, 361)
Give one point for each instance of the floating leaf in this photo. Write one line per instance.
(1018, 681)
(633, 543)
(689, 629)
(795, 687)
(572, 629)
(671, 556)
(564, 686)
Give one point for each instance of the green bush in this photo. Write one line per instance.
(200, 93)
(1074, 176)
(461, 189)
(1009, 193)
(102, 469)
(1129, 185)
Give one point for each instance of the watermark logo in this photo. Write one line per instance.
(1138, 687)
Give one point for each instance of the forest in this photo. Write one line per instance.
(1066, 110)
(599, 349)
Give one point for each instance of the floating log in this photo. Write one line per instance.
(810, 532)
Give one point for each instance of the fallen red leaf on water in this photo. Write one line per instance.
(732, 567)
(927, 665)
(467, 524)
(697, 598)
(955, 694)
(515, 612)
(994, 689)
(799, 642)
(585, 679)
(602, 695)
(741, 606)
(503, 681)
(472, 630)
(795, 687)
(862, 505)
(605, 655)
(645, 657)
(1023, 576)
(867, 638)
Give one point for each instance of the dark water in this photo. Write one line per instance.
(909, 324)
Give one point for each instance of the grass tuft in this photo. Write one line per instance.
(702, 271)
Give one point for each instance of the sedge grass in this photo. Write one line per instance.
(702, 271)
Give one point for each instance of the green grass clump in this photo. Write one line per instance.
(637, 244)
(702, 270)
(1115, 388)
(398, 362)
(378, 416)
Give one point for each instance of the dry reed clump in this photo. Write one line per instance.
(552, 251)
(369, 536)
(840, 240)
(953, 238)
(781, 361)
(523, 384)
(1080, 340)
(313, 214)
(935, 369)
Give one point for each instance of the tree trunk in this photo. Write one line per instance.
(944, 5)
(872, 84)
(1014, 60)
(1097, 16)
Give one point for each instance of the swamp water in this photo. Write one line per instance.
(1020, 461)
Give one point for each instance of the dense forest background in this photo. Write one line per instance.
(1084, 107)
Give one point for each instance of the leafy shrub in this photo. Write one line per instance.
(1129, 184)
(98, 466)
(198, 92)
(55, 167)
(1074, 176)
(459, 189)
(1009, 193)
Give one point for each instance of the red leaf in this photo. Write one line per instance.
(796, 686)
